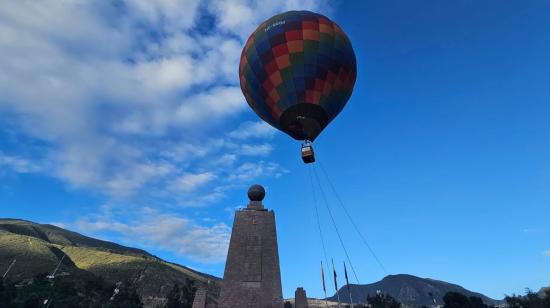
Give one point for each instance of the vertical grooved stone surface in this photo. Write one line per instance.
(200, 298)
(252, 276)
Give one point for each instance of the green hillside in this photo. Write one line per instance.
(38, 248)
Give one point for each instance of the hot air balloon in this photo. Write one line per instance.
(297, 72)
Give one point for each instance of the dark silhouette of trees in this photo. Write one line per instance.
(529, 300)
(383, 301)
(459, 300)
(66, 291)
(127, 296)
(181, 296)
(7, 292)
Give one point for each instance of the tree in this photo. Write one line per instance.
(459, 300)
(181, 296)
(3, 296)
(529, 300)
(67, 291)
(383, 301)
(477, 302)
(127, 296)
(7, 293)
(288, 305)
(173, 297)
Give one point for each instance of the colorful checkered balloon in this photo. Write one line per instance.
(297, 72)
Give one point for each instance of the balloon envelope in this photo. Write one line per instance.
(297, 72)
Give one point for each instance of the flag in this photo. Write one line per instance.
(346, 274)
(335, 281)
(323, 277)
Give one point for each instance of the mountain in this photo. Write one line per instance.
(408, 289)
(38, 248)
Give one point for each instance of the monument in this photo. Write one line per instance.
(200, 298)
(300, 298)
(252, 277)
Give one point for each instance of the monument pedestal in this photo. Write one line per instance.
(200, 298)
(300, 298)
(252, 277)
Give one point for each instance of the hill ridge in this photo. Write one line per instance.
(410, 290)
(21, 226)
(38, 249)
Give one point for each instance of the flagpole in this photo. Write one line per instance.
(347, 284)
(336, 284)
(323, 278)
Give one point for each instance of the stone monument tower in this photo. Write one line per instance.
(252, 278)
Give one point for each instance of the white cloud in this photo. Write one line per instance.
(249, 171)
(256, 149)
(171, 15)
(241, 17)
(546, 253)
(106, 79)
(17, 164)
(136, 99)
(210, 105)
(192, 181)
(126, 182)
(226, 160)
(107, 92)
(248, 130)
(163, 230)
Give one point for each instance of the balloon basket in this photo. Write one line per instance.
(308, 156)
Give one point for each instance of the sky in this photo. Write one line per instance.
(124, 120)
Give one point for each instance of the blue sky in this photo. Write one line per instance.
(124, 120)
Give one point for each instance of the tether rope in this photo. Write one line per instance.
(317, 216)
(352, 221)
(334, 223)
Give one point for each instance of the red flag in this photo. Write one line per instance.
(335, 281)
(346, 274)
(323, 277)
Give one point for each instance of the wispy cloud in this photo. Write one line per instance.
(546, 253)
(210, 105)
(17, 164)
(111, 84)
(249, 130)
(136, 100)
(191, 181)
(248, 171)
(148, 227)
